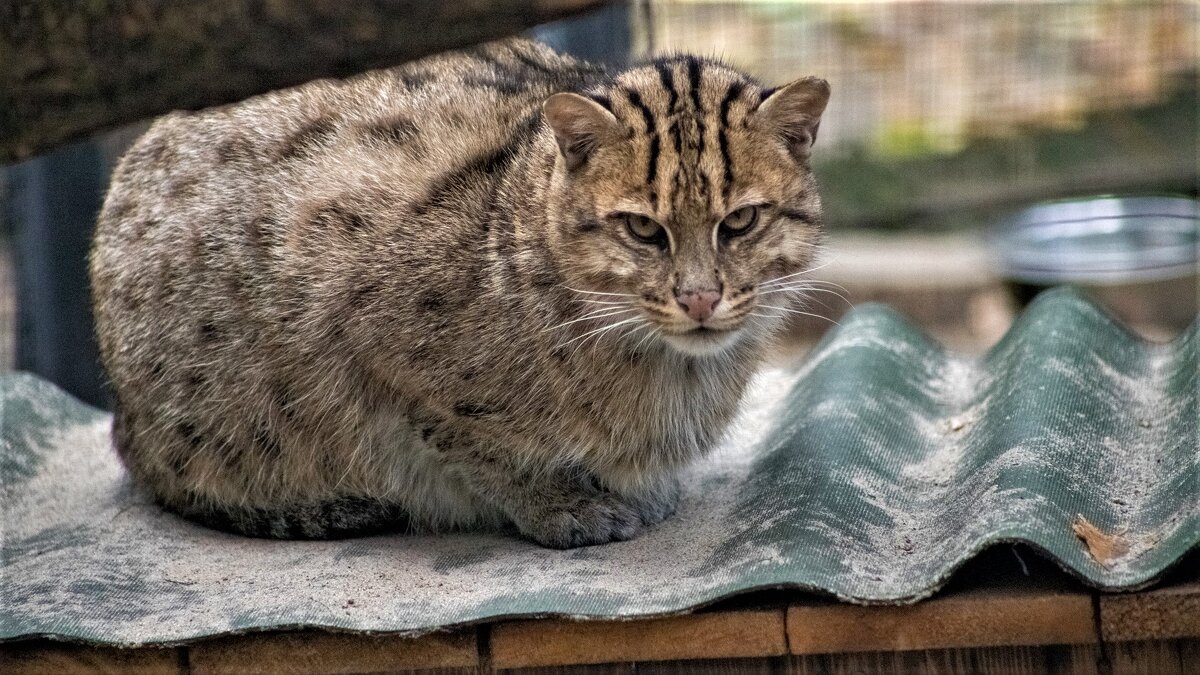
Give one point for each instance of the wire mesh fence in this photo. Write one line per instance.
(914, 77)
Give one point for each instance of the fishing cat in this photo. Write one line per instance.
(489, 288)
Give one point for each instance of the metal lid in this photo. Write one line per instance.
(1101, 240)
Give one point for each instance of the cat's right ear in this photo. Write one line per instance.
(794, 112)
(580, 126)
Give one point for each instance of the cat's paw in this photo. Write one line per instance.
(658, 503)
(585, 521)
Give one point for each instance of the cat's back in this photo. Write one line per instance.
(226, 208)
(230, 253)
(419, 122)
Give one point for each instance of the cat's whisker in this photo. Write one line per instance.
(653, 333)
(603, 302)
(642, 324)
(796, 274)
(600, 335)
(809, 282)
(598, 314)
(820, 302)
(621, 295)
(804, 296)
(789, 310)
(815, 283)
(823, 265)
(800, 285)
(806, 289)
(599, 330)
(804, 293)
(630, 332)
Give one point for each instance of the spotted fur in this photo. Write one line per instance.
(380, 302)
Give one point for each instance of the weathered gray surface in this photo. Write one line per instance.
(69, 68)
(871, 471)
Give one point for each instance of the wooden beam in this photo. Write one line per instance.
(991, 620)
(1171, 612)
(716, 635)
(43, 657)
(70, 68)
(317, 653)
(999, 599)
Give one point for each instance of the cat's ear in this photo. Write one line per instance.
(794, 112)
(580, 125)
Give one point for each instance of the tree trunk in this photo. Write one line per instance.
(68, 68)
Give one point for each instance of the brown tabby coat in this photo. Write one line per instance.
(410, 299)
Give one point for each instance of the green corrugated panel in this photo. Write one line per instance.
(871, 472)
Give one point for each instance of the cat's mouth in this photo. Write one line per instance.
(702, 340)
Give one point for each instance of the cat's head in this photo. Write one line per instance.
(684, 203)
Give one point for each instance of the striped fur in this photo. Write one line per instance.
(383, 302)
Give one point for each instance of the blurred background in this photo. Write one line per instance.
(948, 121)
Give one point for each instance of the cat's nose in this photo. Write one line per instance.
(699, 305)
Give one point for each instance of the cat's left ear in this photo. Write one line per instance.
(580, 125)
(794, 112)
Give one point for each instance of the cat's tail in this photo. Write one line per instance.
(336, 518)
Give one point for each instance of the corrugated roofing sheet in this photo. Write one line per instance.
(870, 471)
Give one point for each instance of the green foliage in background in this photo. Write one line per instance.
(907, 181)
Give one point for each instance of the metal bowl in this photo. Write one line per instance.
(1100, 241)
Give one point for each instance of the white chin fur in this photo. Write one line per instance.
(702, 344)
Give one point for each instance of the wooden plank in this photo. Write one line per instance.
(1134, 658)
(758, 666)
(1160, 614)
(313, 653)
(1189, 657)
(160, 55)
(967, 620)
(699, 636)
(991, 660)
(44, 657)
(1074, 659)
(1147, 658)
(1181, 657)
(602, 669)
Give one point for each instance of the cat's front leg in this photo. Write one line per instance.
(574, 509)
(655, 499)
(565, 513)
(567, 507)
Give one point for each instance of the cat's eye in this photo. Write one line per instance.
(739, 222)
(645, 230)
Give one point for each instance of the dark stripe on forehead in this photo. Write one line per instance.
(693, 66)
(667, 75)
(635, 99)
(652, 164)
(668, 82)
(735, 90)
(693, 70)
